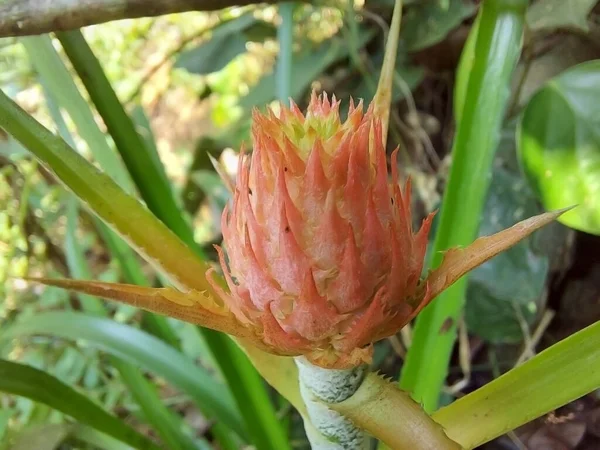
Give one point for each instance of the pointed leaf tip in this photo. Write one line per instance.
(194, 307)
(458, 261)
(220, 169)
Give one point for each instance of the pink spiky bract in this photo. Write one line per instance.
(323, 260)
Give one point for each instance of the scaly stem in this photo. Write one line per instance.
(319, 386)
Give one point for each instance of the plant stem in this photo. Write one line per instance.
(319, 385)
(482, 92)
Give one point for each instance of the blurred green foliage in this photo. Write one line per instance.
(189, 82)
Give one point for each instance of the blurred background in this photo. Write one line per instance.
(190, 81)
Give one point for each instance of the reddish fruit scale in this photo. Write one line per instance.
(322, 257)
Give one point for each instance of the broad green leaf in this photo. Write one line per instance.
(496, 52)
(137, 347)
(25, 381)
(428, 22)
(227, 41)
(552, 14)
(559, 145)
(560, 374)
(516, 278)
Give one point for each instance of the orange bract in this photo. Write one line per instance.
(323, 260)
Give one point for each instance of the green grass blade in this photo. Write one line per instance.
(166, 424)
(137, 347)
(558, 375)
(97, 439)
(249, 385)
(59, 82)
(150, 180)
(25, 381)
(497, 49)
(285, 36)
(126, 215)
(149, 176)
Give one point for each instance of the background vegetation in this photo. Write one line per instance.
(189, 82)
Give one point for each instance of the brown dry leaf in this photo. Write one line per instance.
(194, 307)
(459, 261)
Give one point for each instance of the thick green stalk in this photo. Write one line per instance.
(489, 71)
(320, 387)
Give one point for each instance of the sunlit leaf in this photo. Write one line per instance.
(458, 261)
(558, 375)
(559, 145)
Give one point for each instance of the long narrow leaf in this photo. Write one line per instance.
(496, 49)
(558, 375)
(149, 176)
(140, 348)
(61, 89)
(59, 82)
(167, 425)
(145, 394)
(25, 381)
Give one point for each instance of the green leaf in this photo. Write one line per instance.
(150, 179)
(97, 439)
(137, 347)
(152, 183)
(428, 22)
(25, 381)
(193, 193)
(558, 375)
(559, 145)
(496, 51)
(212, 56)
(57, 79)
(409, 74)
(516, 277)
(552, 14)
(228, 41)
(211, 185)
(152, 239)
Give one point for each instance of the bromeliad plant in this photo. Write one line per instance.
(320, 261)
